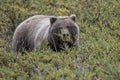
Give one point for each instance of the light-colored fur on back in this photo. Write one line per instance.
(35, 27)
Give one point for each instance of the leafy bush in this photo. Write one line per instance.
(98, 57)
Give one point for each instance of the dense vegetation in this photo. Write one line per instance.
(99, 54)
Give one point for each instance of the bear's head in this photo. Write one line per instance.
(63, 32)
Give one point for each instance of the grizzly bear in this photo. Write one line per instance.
(58, 31)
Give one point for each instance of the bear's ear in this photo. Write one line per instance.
(53, 19)
(73, 17)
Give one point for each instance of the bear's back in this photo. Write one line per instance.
(28, 29)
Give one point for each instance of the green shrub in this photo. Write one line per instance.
(97, 59)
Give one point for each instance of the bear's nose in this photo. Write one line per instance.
(65, 35)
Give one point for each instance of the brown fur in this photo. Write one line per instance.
(56, 43)
(31, 33)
